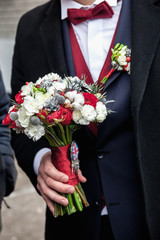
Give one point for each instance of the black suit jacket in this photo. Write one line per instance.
(39, 50)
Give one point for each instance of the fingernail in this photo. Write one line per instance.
(63, 202)
(70, 190)
(64, 179)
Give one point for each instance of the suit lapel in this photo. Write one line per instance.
(52, 38)
(68, 49)
(145, 38)
(123, 34)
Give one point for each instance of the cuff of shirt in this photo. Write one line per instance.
(38, 158)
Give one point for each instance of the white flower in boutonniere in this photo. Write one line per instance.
(120, 60)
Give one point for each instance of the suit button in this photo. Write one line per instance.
(100, 155)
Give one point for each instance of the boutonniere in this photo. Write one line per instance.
(120, 60)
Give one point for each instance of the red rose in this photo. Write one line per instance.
(19, 98)
(7, 120)
(90, 99)
(63, 114)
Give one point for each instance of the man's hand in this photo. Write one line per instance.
(50, 181)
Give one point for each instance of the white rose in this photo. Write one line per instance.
(88, 112)
(27, 89)
(23, 118)
(35, 132)
(41, 98)
(31, 105)
(122, 58)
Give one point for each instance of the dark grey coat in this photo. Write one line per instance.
(7, 168)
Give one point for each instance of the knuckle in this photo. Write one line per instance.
(49, 181)
(45, 191)
(47, 169)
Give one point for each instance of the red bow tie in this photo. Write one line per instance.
(102, 10)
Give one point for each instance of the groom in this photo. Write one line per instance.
(121, 162)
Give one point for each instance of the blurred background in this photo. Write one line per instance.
(26, 217)
(10, 13)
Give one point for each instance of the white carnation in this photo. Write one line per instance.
(27, 89)
(77, 118)
(84, 121)
(35, 132)
(88, 112)
(101, 112)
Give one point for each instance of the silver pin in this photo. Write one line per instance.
(74, 152)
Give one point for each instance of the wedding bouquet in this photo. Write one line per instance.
(54, 108)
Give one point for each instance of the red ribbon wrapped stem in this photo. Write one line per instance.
(61, 160)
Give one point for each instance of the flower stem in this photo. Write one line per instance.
(68, 135)
(82, 194)
(104, 80)
(71, 206)
(77, 200)
(63, 133)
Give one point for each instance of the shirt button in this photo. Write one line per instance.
(100, 155)
(96, 203)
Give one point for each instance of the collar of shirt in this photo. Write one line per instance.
(65, 4)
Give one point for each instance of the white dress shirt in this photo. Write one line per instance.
(94, 38)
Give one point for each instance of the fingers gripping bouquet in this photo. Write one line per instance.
(54, 108)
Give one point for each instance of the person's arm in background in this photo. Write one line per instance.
(8, 173)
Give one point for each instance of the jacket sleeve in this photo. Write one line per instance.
(6, 152)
